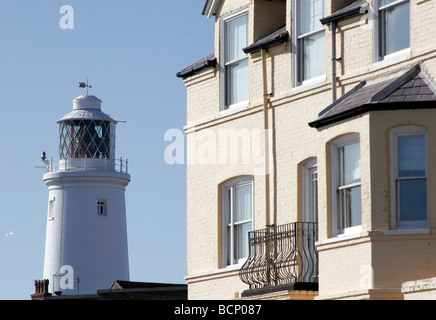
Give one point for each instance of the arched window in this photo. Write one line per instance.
(346, 184)
(237, 214)
(309, 191)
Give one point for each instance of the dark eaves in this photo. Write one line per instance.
(277, 37)
(356, 8)
(209, 61)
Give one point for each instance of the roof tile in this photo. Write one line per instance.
(412, 86)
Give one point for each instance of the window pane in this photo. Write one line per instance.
(314, 56)
(351, 204)
(312, 12)
(85, 138)
(355, 206)
(242, 240)
(411, 156)
(413, 199)
(314, 198)
(238, 204)
(237, 38)
(243, 203)
(228, 246)
(351, 163)
(238, 82)
(397, 28)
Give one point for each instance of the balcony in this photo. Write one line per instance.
(87, 164)
(282, 255)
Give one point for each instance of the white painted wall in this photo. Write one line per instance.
(94, 246)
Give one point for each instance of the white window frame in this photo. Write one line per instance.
(225, 106)
(336, 187)
(394, 134)
(309, 193)
(298, 55)
(379, 38)
(229, 246)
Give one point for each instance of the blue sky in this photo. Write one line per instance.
(130, 51)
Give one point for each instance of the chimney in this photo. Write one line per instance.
(41, 290)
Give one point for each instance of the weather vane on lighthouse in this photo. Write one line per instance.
(85, 85)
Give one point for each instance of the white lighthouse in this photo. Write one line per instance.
(86, 240)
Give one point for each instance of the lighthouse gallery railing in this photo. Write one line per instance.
(118, 165)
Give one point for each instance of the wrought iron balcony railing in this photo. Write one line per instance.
(281, 255)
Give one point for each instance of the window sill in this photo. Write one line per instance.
(342, 237)
(230, 268)
(355, 236)
(233, 109)
(407, 231)
(314, 80)
(391, 59)
(309, 85)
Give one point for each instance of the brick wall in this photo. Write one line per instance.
(291, 109)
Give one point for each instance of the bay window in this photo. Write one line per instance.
(346, 184)
(409, 176)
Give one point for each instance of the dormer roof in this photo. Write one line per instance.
(356, 8)
(209, 61)
(211, 7)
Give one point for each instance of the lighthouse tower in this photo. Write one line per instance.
(86, 240)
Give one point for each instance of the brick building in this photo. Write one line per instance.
(310, 138)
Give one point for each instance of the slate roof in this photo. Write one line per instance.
(210, 7)
(276, 37)
(412, 90)
(209, 61)
(122, 284)
(353, 9)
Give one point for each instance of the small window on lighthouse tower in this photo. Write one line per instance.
(51, 209)
(101, 208)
